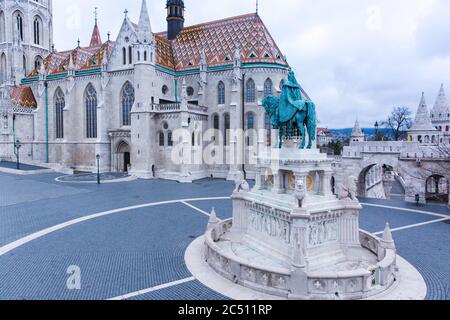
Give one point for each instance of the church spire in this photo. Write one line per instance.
(144, 27)
(96, 40)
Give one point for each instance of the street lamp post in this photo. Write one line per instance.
(17, 147)
(98, 169)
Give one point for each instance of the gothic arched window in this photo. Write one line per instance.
(24, 65)
(90, 98)
(130, 55)
(226, 134)
(124, 56)
(216, 127)
(2, 27)
(37, 62)
(3, 69)
(282, 84)
(37, 24)
(127, 98)
(251, 91)
(169, 139)
(221, 93)
(268, 85)
(60, 104)
(19, 26)
(268, 127)
(250, 127)
(161, 139)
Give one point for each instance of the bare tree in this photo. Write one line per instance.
(399, 122)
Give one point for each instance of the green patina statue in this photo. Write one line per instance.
(290, 112)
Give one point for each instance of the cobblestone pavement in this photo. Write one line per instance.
(142, 247)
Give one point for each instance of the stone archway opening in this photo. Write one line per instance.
(376, 181)
(437, 189)
(122, 157)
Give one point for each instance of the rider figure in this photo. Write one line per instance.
(291, 93)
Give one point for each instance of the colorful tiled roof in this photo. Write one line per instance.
(219, 39)
(83, 59)
(23, 96)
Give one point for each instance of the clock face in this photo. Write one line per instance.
(310, 183)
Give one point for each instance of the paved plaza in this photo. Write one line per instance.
(129, 239)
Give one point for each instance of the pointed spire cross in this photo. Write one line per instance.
(96, 14)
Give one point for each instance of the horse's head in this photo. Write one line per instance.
(271, 103)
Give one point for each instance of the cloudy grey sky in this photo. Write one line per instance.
(355, 58)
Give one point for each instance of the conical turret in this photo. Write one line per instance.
(441, 109)
(357, 133)
(423, 120)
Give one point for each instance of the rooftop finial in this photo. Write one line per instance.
(126, 13)
(96, 14)
(257, 7)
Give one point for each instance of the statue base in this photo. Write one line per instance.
(297, 244)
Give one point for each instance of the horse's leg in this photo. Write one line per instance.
(310, 140)
(300, 124)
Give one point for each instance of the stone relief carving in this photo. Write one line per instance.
(322, 232)
(270, 225)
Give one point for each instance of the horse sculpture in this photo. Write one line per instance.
(290, 111)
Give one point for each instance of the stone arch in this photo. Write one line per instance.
(122, 156)
(437, 188)
(371, 178)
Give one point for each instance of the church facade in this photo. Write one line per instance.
(126, 100)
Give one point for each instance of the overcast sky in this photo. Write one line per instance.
(355, 58)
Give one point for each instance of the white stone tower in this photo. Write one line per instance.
(142, 129)
(423, 130)
(357, 133)
(26, 37)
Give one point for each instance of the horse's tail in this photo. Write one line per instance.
(312, 120)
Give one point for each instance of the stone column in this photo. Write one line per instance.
(277, 183)
(325, 183)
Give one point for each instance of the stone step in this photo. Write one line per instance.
(323, 260)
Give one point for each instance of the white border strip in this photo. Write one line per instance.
(153, 289)
(16, 244)
(414, 226)
(406, 209)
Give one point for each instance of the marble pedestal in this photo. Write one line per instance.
(313, 250)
